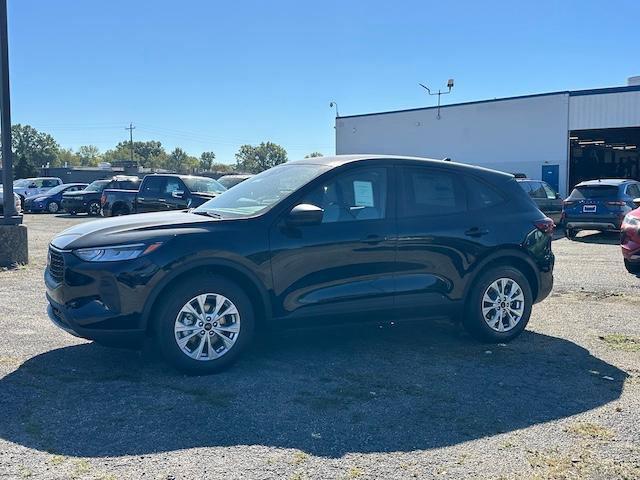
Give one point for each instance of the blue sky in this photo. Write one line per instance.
(212, 75)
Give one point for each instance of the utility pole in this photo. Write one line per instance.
(131, 128)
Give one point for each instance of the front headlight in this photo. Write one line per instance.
(630, 221)
(116, 253)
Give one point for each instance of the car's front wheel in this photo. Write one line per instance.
(94, 209)
(53, 207)
(204, 324)
(499, 305)
(633, 268)
(570, 233)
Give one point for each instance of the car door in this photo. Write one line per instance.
(150, 197)
(443, 228)
(175, 194)
(553, 203)
(343, 267)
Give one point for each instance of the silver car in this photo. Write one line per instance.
(16, 201)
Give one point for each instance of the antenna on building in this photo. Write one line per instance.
(449, 86)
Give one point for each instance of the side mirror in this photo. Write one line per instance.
(558, 196)
(177, 194)
(636, 202)
(305, 214)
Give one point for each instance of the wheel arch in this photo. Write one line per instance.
(236, 273)
(120, 205)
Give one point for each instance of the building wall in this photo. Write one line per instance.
(606, 110)
(512, 135)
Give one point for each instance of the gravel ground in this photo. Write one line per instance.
(389, 401)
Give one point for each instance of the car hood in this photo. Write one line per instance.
(137, 228)
(37, 198)
(79, 193)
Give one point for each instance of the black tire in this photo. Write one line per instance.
(73, 213)
(53, 207)
(168, 311)
(93, 209)
(474, 321)
(633, 268)
(119, 210)
(570, 233)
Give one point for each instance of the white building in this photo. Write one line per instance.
(560, 137)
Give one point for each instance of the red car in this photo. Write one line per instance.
(630, 241)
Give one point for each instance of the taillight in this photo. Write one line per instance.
(616, 204)
(103, 199)
(545, 225)
(568, 203)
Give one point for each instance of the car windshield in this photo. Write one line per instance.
(203, 184)
(57, 189)
(258, 194)
(25, 182)
(229, 181)
(97, 186)
(594, 191)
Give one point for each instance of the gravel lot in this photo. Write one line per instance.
(404, 401)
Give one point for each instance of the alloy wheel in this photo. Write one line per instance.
(503, 304)
(53, 207)
(207, 327)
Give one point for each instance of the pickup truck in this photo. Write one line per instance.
(160, 192)
(88, 200)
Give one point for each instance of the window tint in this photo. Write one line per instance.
(537, 190)
(480, 195)
(427, 192)
(594, 191)
(360, 194)
(152, 185)
(526, 186)
(551, 193)
(49, 183)
(38, 183)
(633, 190)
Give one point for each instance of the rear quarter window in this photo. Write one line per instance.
(481, 195)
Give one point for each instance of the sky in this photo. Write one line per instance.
(209, 75)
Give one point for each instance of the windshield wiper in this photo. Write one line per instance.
(207, 213)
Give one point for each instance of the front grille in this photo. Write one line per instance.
(56, 265)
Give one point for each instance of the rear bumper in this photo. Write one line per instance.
(603, 225)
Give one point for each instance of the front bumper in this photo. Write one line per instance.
(33, 207)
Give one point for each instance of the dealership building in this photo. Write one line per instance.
(560, 137)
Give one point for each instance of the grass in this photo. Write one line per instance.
(622, 342)
(590, 430)
(553, 465)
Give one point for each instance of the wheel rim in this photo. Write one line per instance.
(503, 305)
(53, 207)
(207, 327)
(94, 209)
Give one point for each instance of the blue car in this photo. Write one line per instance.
(599, 205)
(51, 200)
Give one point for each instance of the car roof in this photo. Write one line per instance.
(613, 182)
(340, 160)
(177, 175)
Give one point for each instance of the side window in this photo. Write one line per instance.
(152, 185)
(360, 194)
(430, 192)
(551, 193)
(39, 183)
(129, 185)
(526, 186)
(537, 190)
(480, 195)
(49, 183)
(173, 185)
(633, 190)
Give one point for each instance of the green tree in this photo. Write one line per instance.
(207, 161)
(255, 159)
(89, 155)
(67, 157)
(150, 154)
(180, 161)
(32, 150)
(314, 155)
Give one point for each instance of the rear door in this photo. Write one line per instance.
(149, 198)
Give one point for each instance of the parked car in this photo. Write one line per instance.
(330, 239)
(160, 193)
(29, 187)
(599, 205)
(51, 201)
(548, 200)
(228, 181)
(17, 202)
(88, 200)
(630, 239)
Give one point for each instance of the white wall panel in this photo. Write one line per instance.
(607, 110)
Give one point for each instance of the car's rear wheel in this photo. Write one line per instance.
(94, 209)
(53, 207)
(570, 233)
(499, 305)
(204, 324)
(633, 268)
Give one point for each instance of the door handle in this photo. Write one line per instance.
(373, 239)
(476, 232)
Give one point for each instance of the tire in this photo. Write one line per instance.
(570, 233)
(203, 330)
(73, 213)
(53, 207)
(633, 268)
(93, 209)
(118, 211)
(487, 283)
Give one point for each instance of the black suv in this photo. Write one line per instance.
(332, 239)
(88, 200)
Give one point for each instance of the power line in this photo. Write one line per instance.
(131, 128)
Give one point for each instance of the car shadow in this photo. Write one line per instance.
(606, 238)
(327, 392)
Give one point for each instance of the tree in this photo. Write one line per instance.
(68, 158)
(179, 161)
(89, 155)
(149, 154)
(32, 150)
(314, 155)
(206, 161)
(255, 159)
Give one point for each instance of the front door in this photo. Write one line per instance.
(176, 195)
(344, 266)
(150, 195)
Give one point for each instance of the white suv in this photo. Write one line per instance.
(28, 187)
